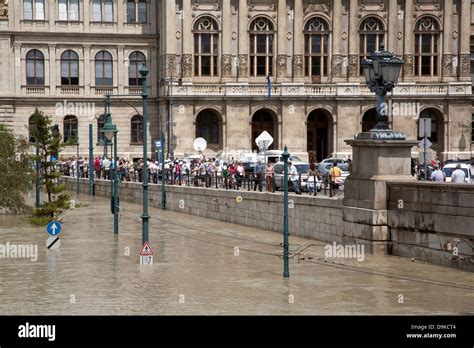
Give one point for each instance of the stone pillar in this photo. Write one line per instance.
(88, 66)
(19, 71)
(336, 62)
(243, 68)
(226, 58)
(447, 59)
(353, 63)
(408, 41)
(392, 31)
(188, 42)
(465, 33)
(153, 66)
(169, 62)
(298, 38)
(52, 70)
(122, 70)
(281, 61)
(364, 210)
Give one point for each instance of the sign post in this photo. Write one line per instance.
(263, 142)
(424, 130)
(53, 242)
(146, 255)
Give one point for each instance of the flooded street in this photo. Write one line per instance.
(204, 266)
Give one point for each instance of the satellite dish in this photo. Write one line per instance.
(264, 140)
(200, 144)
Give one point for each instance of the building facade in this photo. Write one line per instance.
(213, 62)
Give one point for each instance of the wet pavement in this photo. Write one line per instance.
(199, 270)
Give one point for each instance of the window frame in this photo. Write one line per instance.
(269, 54)
(136, 11)
(324, 42)
(213, 33)
(103, 62)
(36, 60)
(435, 49)
(69, 61)
(34, 8)
(136, 130)
(137, 63)
(69, 11)
(102, 11)
(379, 33)
(68, 130)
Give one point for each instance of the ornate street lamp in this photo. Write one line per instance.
(381, 72)
(110, 132)
(285, 156)
(145, 217)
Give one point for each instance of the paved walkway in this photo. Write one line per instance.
(197, 271)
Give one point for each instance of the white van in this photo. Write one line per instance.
(448, 170)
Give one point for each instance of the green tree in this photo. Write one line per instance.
(16, 171)
(50, 144)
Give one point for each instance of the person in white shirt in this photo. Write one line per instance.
(293, 173)
(458, 176)
(437, 175)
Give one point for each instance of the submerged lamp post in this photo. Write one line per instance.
(145, 217)
(381, 72)
(110, 132)
(285, 155)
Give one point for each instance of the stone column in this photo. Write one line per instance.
(364, 211)
(392, 31)
(408, 41)
(243, 42)
(122, 69)
(19, 71)
(281, 61)
(88, 65)
(52, 70)
(120, 16)
(298, 38)
(188, 42)
(336, 62)
(85, 15)
(169, 67)
(153, 66)
(226, 58)
(353, 67)
(465, 32)
(447, 59)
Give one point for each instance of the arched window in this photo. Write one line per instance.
(31, 130)
(316, 46)
(261, 47)
(435, 119)
(69, 68)
(136, 128)
(136, 60)
(136, 11)
(206, 47)
(103, 69)
(371, 36)
(100, 125)
(207, 126)
(426, 47)
(70, 134)
(34, 68)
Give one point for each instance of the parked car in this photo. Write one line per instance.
(344, 167)
(274, 156)
(466, 168)
(323, 164)
(302, 168)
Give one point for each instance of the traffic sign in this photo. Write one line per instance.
(53, 228)
(424, 127)
(53, 243)
(425, 142)
(157, 144)
(264, 140)
(146, 250)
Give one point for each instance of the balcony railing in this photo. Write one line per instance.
(69, 90)
(35, 90)
(102, 90)
(133, 90)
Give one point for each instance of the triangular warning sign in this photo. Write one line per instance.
(146, 250)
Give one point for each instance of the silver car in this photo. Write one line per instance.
(302, 168)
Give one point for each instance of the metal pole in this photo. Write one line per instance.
(286, 272)
(37, 203)
(145, 215)
(170, 111)
(91, 162)
(115, 196)
(424, 151)
(163, 192)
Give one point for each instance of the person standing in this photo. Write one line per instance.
(269, 177)
(240, 174)
(335, 174)
(293, 172)
(437, 175)
(258, 173)
(106, 167)
(458, 176)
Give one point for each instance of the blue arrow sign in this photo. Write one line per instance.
(53, 228)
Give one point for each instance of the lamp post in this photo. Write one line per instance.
(285, 155)
(381, 73)
(145, 217)
(170, 115)
(37, 202)
(76, 139)
(110, 132)
(91, 162)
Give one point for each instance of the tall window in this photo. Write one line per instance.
(261, 47)
(206, 41)
(136, 11)
(207, 126)
(34, 68)
(70, 129)
(31, 129)
(431, 114)
(33, 9)
(316, 43)
(136, 60)
(68, 10)
(371, 36)
(100, 125)
(69, 68)
(102, 11)
(136, 128)
(103, 69)
(426, 47)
